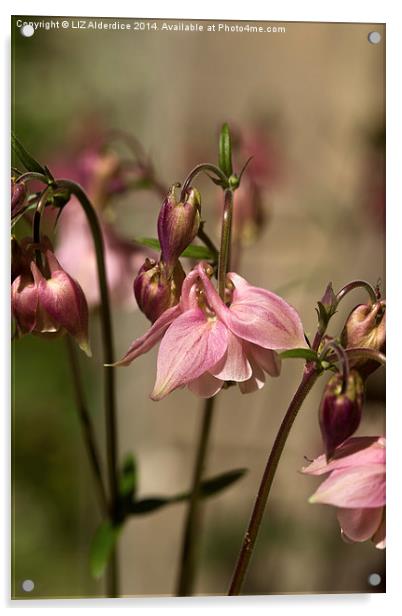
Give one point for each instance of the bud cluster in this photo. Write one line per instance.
(342, 402)
(46, 300)
(158, 285)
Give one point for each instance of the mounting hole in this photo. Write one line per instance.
(27, 30)
(374, 579)
(374, 38)
(28, 585)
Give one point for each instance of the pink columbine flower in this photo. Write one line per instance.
(205, 342)
(356, 486)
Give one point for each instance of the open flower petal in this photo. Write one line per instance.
(360, 524)
(379, 538)
(255, 382)
(234, 366)
(150, 338)
(205, 386)
(356, 451)
(263, 318)
(268, 360)
(192, 345)
(355, 487)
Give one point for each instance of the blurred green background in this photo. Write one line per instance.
(319, 91)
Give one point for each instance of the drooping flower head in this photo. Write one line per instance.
(48, 303)
(356, 486)
(205, 341)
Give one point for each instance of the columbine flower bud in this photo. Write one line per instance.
(50, 306)
(18, 196)
(178, 224)
(340, 413)
(365, 328)
(155, 290)
(326, 307)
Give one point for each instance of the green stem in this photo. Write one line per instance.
(192, 523)
(109, 373)
(309, 378)
(86, 424)
(32, 175)
(199, 169)
(224, 254)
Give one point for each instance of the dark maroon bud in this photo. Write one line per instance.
(340, 411)
(178, 224)
(156, 289)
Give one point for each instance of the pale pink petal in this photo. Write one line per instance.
(268, 360)
(151, 337)
(190, 347)
(354, 487)
(263, 318)
(360, 524)
(379, 537)
(354, 451)
(205, 386)
(234, 365)
(255, 382)
(188, 298)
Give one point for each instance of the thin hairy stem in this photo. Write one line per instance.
(109, 373)
(309, 378)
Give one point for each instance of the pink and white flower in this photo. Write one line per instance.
(356, 486)
(205, 342)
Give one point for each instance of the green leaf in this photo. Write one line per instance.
(147, 505)
(102, 547)
(306, 354)
(191, 252)
(212, 486)
(128, 477)
(225, 151)
(27, 160)
(209, 487)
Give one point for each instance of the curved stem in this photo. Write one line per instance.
(309, 378)
(32, 175)
(363, 353)
(108, 355)
(224, 254)
(343, 359)
(199, 169)
(86, 423)
(355, 285)
(191, 527)
(37, 220)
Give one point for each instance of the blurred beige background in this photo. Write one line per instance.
(322, 87)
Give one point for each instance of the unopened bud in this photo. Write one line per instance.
(18, 196)
(63, 300)
(326, 308)
(340, 411)
(365, 328)
(178, 224)
(156, 290)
